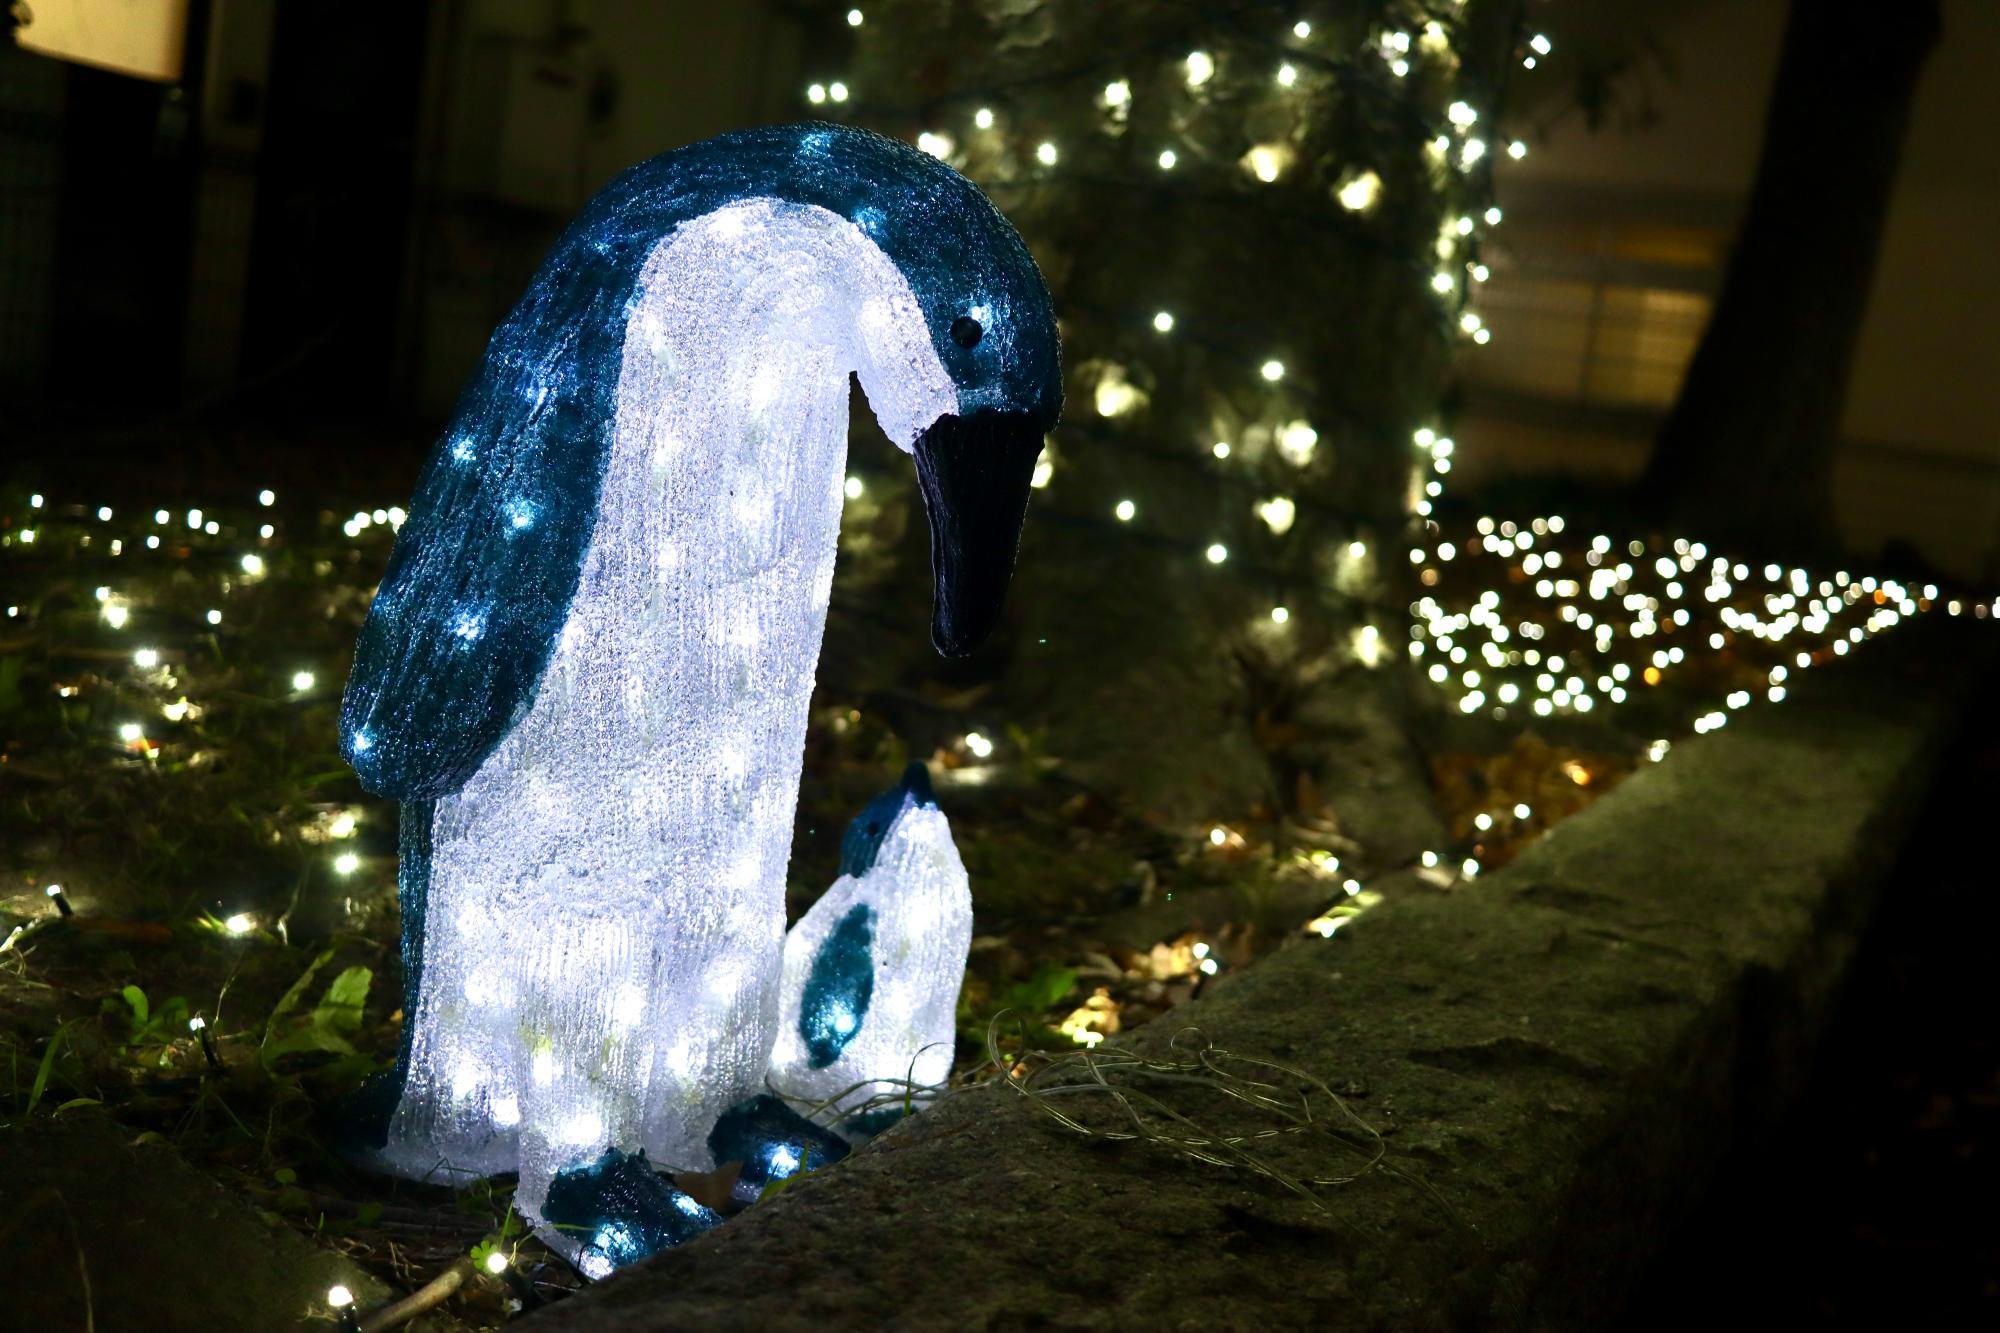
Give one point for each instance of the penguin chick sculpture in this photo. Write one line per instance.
(585, 674)
(873, 969)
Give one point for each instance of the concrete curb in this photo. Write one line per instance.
(1563, 1051)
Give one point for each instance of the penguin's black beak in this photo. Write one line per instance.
(975, 472)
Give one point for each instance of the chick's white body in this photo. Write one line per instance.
(917, 907)
(603, 933)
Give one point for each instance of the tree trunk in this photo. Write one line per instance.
(1746, 455)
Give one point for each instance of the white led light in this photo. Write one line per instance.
(1360, 192)
(1125, 509)
(983, 118)
(1200, 68)
(1163, 322)
(1167, 159)
(1046, 154)
(1296, 442)
(1217, 553)
(1279, 515)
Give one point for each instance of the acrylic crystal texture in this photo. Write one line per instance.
(587, 669)
(872, 971)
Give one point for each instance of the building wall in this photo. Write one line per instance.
(30, 136)
(536, 105)
(1614, 244)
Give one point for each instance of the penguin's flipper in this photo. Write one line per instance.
(478, 587)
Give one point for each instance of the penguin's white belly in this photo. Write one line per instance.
(607, 894)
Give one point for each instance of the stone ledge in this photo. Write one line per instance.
(1564, 1052)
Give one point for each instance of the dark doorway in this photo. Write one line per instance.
(124, 214)
(333, 209)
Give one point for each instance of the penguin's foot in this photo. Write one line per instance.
(616, 1211)
(773, 1142)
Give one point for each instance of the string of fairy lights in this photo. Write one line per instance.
(1408, 64)
(1460, 160)
(1513, 621)
(1550, 626)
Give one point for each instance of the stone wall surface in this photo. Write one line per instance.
(1558, 1055)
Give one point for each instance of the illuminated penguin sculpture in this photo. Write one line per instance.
(872, 970)
(586, 671)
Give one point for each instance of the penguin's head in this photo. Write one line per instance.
(990, 322)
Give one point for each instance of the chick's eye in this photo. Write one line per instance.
(965, 331)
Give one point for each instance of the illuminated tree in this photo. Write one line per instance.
(1261, 224)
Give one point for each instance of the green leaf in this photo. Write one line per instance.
(47, 1067)
(341, 1009)
(284, 1175)
(137, 999)
(312, 1037)
(266, 1052)
(332, 1021)
(1046, 989)
(171, 1021)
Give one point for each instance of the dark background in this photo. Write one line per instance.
(293, 261)
(279, 271)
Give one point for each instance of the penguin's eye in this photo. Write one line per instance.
(965, 331)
